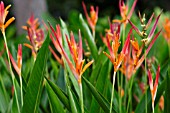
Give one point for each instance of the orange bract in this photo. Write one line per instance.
(154, 87)
(114, 57)
(35, 35)
(166, 32)
(92, 19)
(124, 12)
(76, 52)
(17, 66)
(3, 15)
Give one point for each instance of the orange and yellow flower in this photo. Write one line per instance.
(35, 35)
(124, 11)
(92, 19)
(114, 57)
(76, 52)
(3, 15)
(17, 66)
(154, 87)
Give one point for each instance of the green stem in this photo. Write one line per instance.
(20, 79)
(114, 76)
(12, 74)
(145, 81)
(153, 107)
(130, 90)
(121, 85)
(81, 98)
(119, 92)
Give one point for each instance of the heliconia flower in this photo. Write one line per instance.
(124, 12)
(146, 38)
(3, 14)
(76, 51)
(35, 35)
(92, 19)
(17, 66)
(57, 37)
(113, 49)
(154, 87)
(32, 23)
(139, 62)
(166, 32)
(77, 55)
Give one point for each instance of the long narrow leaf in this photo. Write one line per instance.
(54, 101)
(89, 37)
(60, 94)
(105, 106)
(35, 83)
(101, 81)
(3, 97)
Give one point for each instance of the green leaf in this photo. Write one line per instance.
(100, 86)
(100, 61)
(35, 83)
(167, 94)
(60, 94)
(4, 97)
(71, 100)
(54, 101)
(66, 48)
(89, 37)
(100, 99)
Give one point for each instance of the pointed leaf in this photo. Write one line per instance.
(89, 37)
(4, 97)
(72, 102)
(100, 86)
(54, 101)
(35, 83)
(105, 106)
(60, 94)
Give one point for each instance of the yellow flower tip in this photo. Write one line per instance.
(9, 22)
(24, 27)
(28, 45)
(8, 7)
(86, 66)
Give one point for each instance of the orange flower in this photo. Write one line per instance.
(17, 66)
(92, 19)
(57, 37)
(35, 35)
(3, 15)
(153, 88)
(115, 58)
(76, 51)
(166, 32)
(124, 12)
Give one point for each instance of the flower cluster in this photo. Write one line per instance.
(35, 35)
